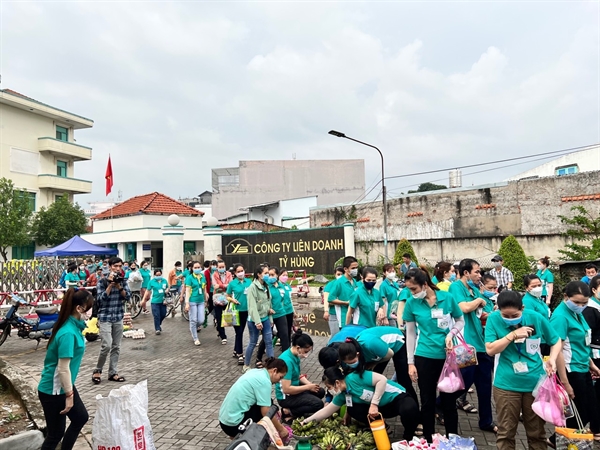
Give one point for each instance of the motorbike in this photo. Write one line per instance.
(35, 329)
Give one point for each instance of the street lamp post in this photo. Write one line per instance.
(385, 221)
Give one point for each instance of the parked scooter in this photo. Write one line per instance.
(36, 329)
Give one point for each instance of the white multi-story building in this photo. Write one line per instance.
(38, 152)
(586, 160)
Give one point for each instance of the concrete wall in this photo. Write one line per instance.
(455, 223)
(586, 161)
(334, 181)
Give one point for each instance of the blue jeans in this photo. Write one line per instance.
(196, 318)
(481, 376)
(159, 311)
(267, 336)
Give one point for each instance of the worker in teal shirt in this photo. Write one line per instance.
(342, 290)
(390, 293)
(329, 313)
(366, 302)
(547, 279)
(288, 306)
(515, 334)
(157, 288)
(279, 317)
(474, 306)
(532, 300)
(236, 293)
(146, 275)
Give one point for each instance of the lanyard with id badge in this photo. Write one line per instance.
(520, 366)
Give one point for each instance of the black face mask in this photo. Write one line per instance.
(369, 284)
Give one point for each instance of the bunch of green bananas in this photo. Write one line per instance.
(332, 441)
(303, 430)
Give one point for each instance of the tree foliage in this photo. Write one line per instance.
(515, 260)
(585, 233)
(425, 187)
(404, 246)
(59, 222)
(14, 218)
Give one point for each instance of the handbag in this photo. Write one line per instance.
(466, 355)
(571, 439)
(230, 317)
(548, 404)
(451, 379)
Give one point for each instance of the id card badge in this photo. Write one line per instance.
(437, 313)
(588, 338)
(160, 291)
(199, 291)
(520, 367)
(376, 306)
(349, 400)
(245, 291)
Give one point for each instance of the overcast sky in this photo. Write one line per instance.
(176, 89)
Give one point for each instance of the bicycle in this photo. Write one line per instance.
(174, 301)
(133, 305)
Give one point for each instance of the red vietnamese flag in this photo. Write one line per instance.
(109, 177)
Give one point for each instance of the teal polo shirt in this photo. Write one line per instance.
(145, 277)
(238, 289)
(547, 277)
(288, 306)
(361, 389)
(527, 352)
(390, 291)
(473, 331)
(195, 284)
(433, 330)
(342, 290)
(158, 287)
(575, 332)
(535, 304)
(327, 288)
(252, 388)
(68, 342)
(375, 342)
(365, 305)
(277, 297)
(293, 372)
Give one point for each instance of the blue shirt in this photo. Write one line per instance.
(111, 307)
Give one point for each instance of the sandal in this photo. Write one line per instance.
(259, 364)
(419, 430)
(98, 379)
(466, 407)
(241, 360)
(492, 428)
(116, 378)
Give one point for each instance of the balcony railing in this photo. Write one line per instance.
(72, 185)
(62, 148)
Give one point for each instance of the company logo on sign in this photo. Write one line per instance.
(238, 247)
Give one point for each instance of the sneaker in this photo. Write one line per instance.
(196, 342)
(145, 311)
(245, 369)
(224, 341)
(157, 332)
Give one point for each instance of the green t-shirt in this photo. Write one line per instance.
(362, 390)
(535, 304)
(82, 275)
(158, 288)
(68, 342)
(375, 342)
(365, 304)
(434, 323)
(293, 372)
(72, 279)
(252, 388)
(178, 273)
(145, 277)
(390, 291)
(528, 352)
(288, 306)
(277, 297)
(547, 277)
(577, 336)
(327, 289)
(195, 284)
(473, 331)
(405, 295)
(342, 290)
(238, 290)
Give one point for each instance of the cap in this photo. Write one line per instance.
(497, 258)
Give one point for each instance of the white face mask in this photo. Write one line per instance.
(421, 295)
(390, 275)
(497, 264)
(540, 267)
(536, 292)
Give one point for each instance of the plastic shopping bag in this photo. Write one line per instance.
(548, 403)
(230, 317)
(450, 379)
(121, 419)
(219, 299)
(466, 355)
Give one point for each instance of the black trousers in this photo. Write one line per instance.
(218, 309)
(595, 419)
(400, 360)
(56, 422)
(290, 322)
(429, 371)
(403, 405)
(304, 404)
(239, 333)
(282, 334)
(254, 413)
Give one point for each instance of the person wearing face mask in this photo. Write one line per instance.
(504, 277)
(489, 287)
(445, 275)
(220, 280)
(83, 274)
(237, 292)
(176, 277)
(157, 288)
(547, 278)
(72, 277)
(368, 394)
(195, 299)
(515, 334)
(56, 389)
(135, 279)
(329, 308)
(343, 289)
(91, 267)
(533, 295)
(146, 276)
(250, 398)
(295, 393)
(259, 309)
(279, 317)
(390, 293)
(576, 365)
(366, 301)
(475, 309)
(439, 319)
(591, 270)
(288, 306)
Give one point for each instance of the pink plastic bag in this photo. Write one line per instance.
(451, 379)
(548, 403)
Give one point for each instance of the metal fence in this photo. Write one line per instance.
(30, 275)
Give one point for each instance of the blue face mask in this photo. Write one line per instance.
(197, 271)
(453, 277)
(575, 307)
(222, 270)
(472, 285)
(512, 322)
(353, 365)
(158, 277)
(271, 280)
(266, 277)
(488, 294)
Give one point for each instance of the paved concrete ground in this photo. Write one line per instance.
(186, 383)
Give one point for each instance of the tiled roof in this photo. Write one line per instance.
(579, 198)
(155, 203)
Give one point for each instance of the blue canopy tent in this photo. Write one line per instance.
(77, 247)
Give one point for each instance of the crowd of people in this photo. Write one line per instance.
(403, 315)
